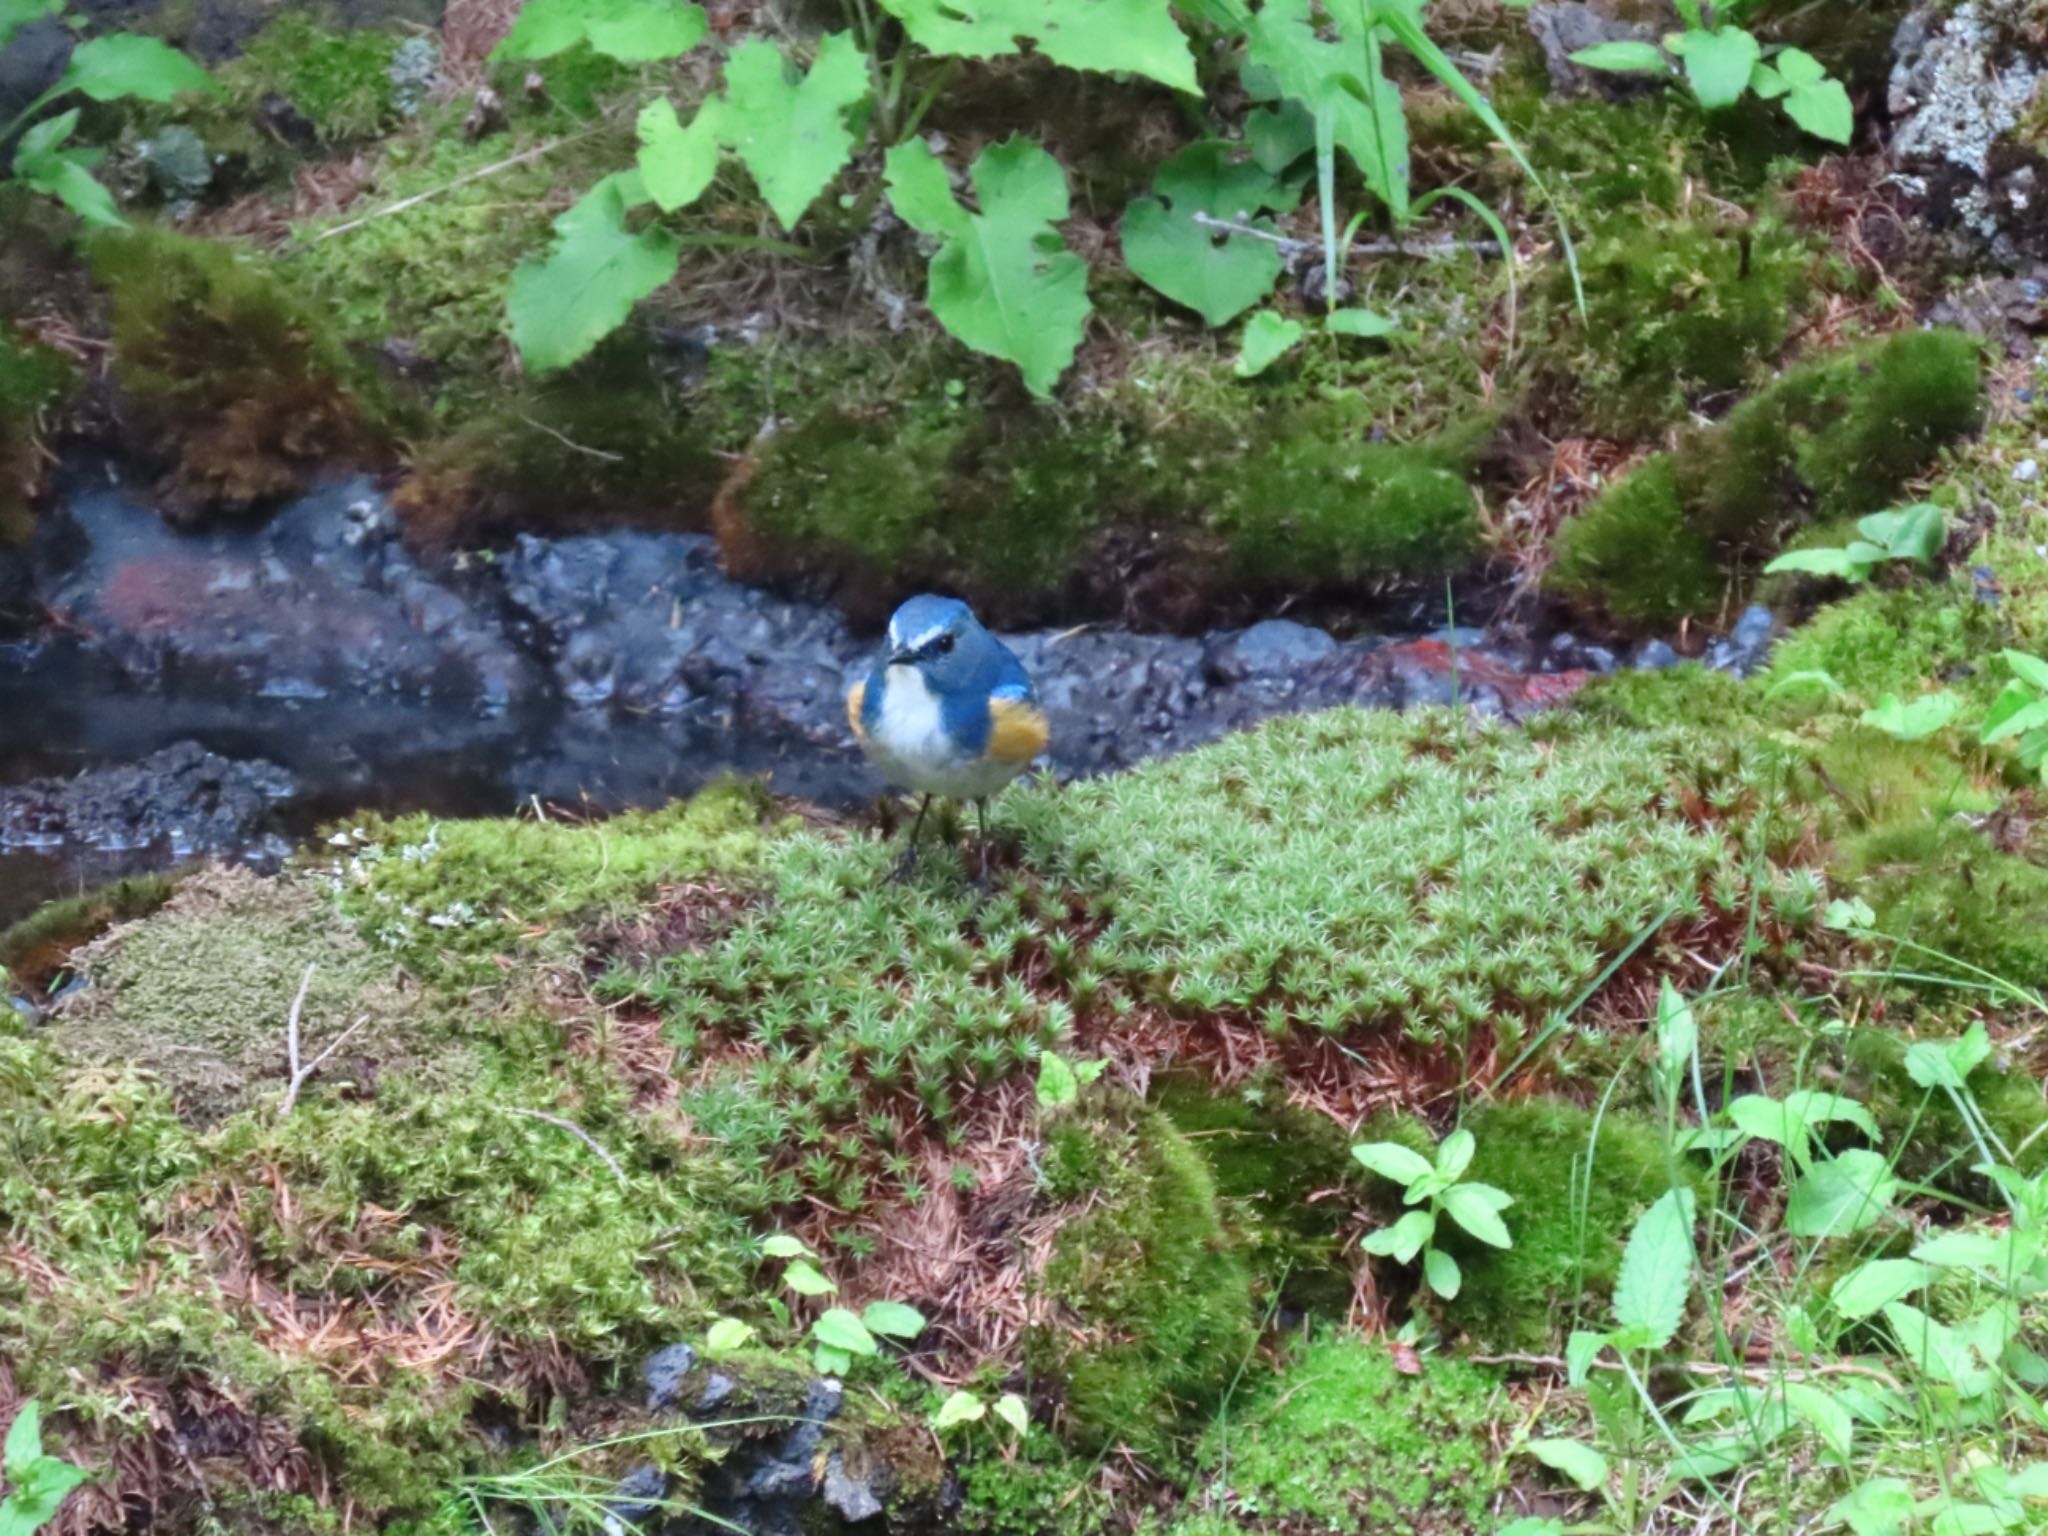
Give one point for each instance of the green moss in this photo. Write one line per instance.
(1837, 436)
(1664, 697)
(1941, 884)
(1044, 1491)
(1578, 1188)
(35, 948)
(1677, 308)
(448, 896)
(1878, 642)
(228, 376)
(340, 80)
(1341, 1440)
(1633, 553)
(1922, 1128)
(1158, 1308)
(32, 379)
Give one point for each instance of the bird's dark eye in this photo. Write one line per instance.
(943, 644)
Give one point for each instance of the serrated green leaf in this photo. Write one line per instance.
(727, 1335)
(24, 1443)
(1966, 1250)
(1586, 1467)
(805, 1279)
(1871, 1285)
(1656, 1269)
(1137, 37)
(1391, 1160)
(632, 31)
(1624, 57)
(1011, 1410)
(789, 129)
(1267, 336)
(675, 162)
(1842, 1195)
(1333, 80)
(563, 304)
(1915, 720)
(1404, 1239)
(1717, 65)
(892, 1319)
(1219, 276)
(1442, 1274)
(1821, 1413)
(1940, 1351)
(1002, 283)
(961, 1407)
(1475, 1207)
(129, 66)
(840, 1329)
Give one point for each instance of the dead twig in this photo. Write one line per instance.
(1293, 247)
(1761, 1374)
(574, 1130)
(449, 186)
(300, 1073)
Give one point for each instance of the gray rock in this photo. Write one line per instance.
(1746, 645)
(664, 1371)
(854, 1497)
(414, 72)
(1652, 655)
(638, 1495)
(183, 800)
(718, 1390)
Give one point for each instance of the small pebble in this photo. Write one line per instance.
(2026, 470)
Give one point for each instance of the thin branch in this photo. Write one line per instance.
(449, 186)
(301, 1073)
(1757, 1373)
(571, 444)
(1294, 247)
(574, 1130)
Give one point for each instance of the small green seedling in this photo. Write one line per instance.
(838, 1336)
(1475, 1207)
(964, 1407)
(2020, 712)
(37, 1483)
(1060, 1081)
(1914, 534)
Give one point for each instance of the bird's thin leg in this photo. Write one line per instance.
(908, 861)
(981, 824)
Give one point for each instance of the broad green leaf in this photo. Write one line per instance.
(1842, 1195)
(833, 1362)
(727, 1335)
(1580, 1351)
(1089, 1071)
(804, 1278)
(892, 1319)
(1880, 1507)
(677, 163)
(44, 137)
(1454, 1156)
(1531, 1525)
(1404, 1239)
(24, 1444)
(1806, 677)
(1851, 563)
(1678, 1036)
(1820, 1106)
(1624, 58)
(1717, 65)
(1137, 37)
(789, 129)
(1656, 1269)
(1362, 323)
(1391, 1160)
(633, 31)
(126, 65)
(1057, 1085)
(1011, 1410)
(961, 1407)
(1911, 533)
(1002, 283)
(1938, 1350)
(1948, 1063)
(1823, 110)
(563, 304)
(2007, 722)
(1336, 80)
(1279, 136)
(2031, 670)
(62, 174)
(1267, 336)
(1967, 1250)
(1586, 1467)
(1815, 1407)
(1476, 1208)
(780, 1245)
(15, 14)
(1800, 67)
(840, 1329)
(1217, 275)
(1767, 84)
(1709, 1459)
(1916, 720)
(1441, 1272)
(1849, 914)
(1870, 1286)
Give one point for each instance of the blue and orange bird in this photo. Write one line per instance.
(947, 710)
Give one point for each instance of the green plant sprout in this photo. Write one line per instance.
(1473, 1206)
(1722, 62)
(963, 1407)
(838, 1335)
(1912, 534)
(1060, 1081)
(120, 66)
(36, 1482)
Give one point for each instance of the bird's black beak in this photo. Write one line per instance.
(904, 658)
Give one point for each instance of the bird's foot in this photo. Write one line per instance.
(904, 867)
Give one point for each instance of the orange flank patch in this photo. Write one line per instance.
(1017, 731)
(855, 697)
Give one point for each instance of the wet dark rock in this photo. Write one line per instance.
(854, 1498)
(30, 63)
(785, 1471)
(1746, 645)
(638, 1495)
(1653, 655)
(718, 1390)
(1562, 30)
(184, 799)
(664, 1372)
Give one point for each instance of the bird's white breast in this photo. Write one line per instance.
(908, 742)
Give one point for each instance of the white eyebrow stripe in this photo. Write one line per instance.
(921, 641)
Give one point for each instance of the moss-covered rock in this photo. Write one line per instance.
(37, 947)
(1155, 1306)
(1579, 1183)
(1833, 437)
(1342, 1440)
(230, 380)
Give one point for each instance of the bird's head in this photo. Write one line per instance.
(941, 638)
